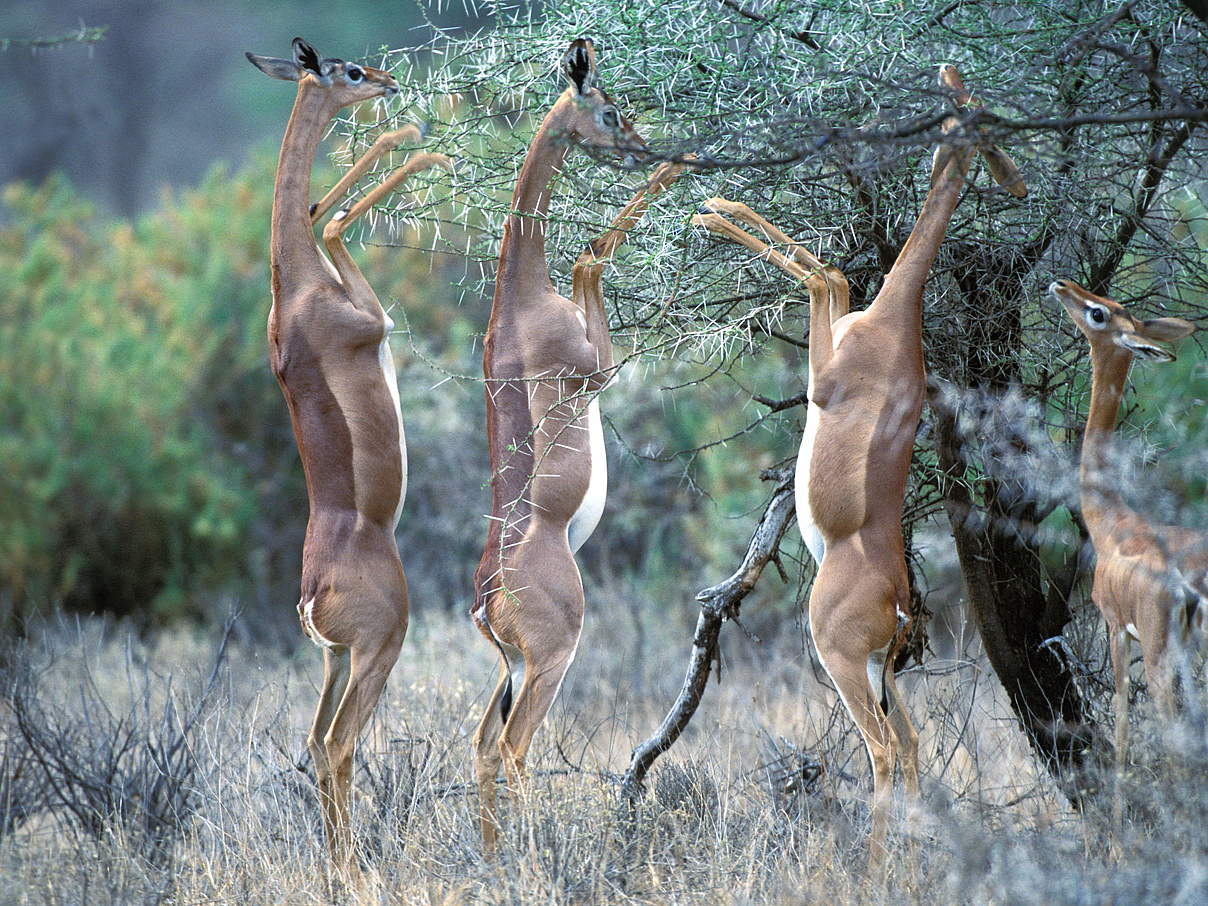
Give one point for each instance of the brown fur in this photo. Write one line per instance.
(1144, 573)
(325, 328)
(542, 367)
(868, 386)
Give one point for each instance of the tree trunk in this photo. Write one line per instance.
(1017, 608)
(1015, 615)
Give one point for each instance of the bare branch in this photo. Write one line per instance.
(803, 36)
(83, 35)
(781, 405)
(718, 603)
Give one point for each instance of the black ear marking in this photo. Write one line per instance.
(1141, 347)
(1156, 354)
(306, 56)
(578, 65)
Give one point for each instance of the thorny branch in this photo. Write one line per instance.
(803, 36)
(83, 35)
(1101, 106)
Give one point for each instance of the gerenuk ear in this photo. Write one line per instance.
(951, 81)
(275, 67)
(579, 65)
(306, 57)
(1166, 329)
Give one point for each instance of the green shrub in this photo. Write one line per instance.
(124, 346)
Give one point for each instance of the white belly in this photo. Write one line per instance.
(805, 518)
(587, 517)
(386, 360)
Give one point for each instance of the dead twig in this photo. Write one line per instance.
(718, 603)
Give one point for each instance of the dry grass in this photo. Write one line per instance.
(733, 813)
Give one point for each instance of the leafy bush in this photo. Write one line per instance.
(149, 460)
(125, 346)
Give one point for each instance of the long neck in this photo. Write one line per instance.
(292, 233)
(522, 251)
(1099, 478)
(903, 288)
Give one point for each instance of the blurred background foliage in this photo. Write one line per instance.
(167, 91)
(150, 469)
(148, 465)
(139, 435)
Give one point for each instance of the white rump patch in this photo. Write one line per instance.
(876, 671)
(386, 361)
(569, 661)
(308, 623)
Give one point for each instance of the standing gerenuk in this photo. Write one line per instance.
(545, 358)
(329, 349)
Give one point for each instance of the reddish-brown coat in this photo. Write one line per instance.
(545, 357)
(866, 388)
(1149, 578)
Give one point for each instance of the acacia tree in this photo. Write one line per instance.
(823, 116)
